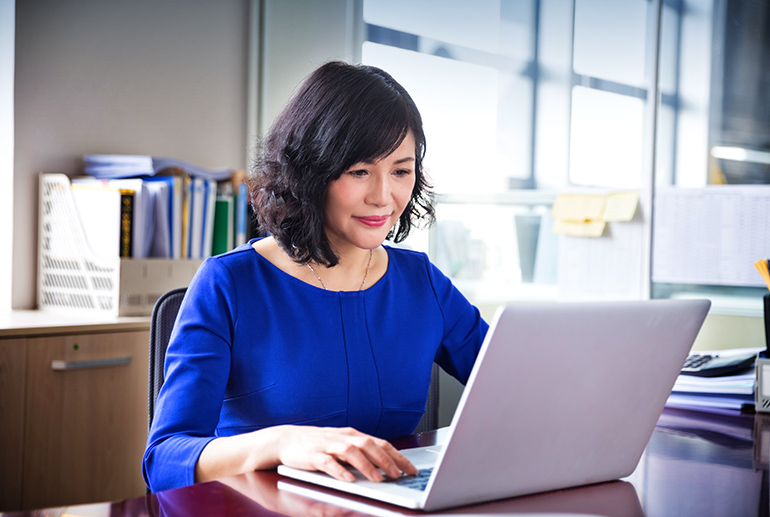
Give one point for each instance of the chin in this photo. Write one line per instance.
(371, 243)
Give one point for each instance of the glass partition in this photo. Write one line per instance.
(713, 153)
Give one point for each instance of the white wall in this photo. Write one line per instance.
(7, 34)
(165, 78)
(297, 37)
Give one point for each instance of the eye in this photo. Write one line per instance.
(358, 173)
(402, 172)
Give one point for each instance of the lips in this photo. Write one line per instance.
(374, 220)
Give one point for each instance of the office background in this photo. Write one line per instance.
(532, 97)
(522, 99)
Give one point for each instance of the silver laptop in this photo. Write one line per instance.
(561, 395)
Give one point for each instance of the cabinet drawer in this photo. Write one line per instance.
(86, 418)
(13, 360)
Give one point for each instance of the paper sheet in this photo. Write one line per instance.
(711, 235)
(585, 215)
(606, 268)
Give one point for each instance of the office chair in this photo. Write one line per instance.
(162, 322)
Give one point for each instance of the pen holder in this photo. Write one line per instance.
(762, 388)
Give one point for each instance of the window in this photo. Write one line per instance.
(524, 98)
(515, 111)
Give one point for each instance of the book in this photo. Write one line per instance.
(174, 195)
(195, 231)
(186, 215)
(209, 200)
(224, 220)
(126, 223)
(241, 215)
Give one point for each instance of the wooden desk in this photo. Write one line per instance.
(695, 464)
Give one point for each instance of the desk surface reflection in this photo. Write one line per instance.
(696, 463)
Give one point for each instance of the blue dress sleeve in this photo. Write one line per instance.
(196, 371)
(464, 328)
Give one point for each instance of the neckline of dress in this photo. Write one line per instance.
(319, 288)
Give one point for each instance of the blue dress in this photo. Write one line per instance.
(254, 347)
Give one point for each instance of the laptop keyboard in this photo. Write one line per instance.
(418, 482)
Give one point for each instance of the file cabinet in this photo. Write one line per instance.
(74, 417)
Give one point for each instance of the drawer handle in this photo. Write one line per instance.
(58, 365)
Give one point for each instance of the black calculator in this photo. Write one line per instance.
(712, 365)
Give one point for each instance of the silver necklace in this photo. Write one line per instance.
(362, 281)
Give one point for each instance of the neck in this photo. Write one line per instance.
(350, 273)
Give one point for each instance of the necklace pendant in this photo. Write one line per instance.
(366, 273)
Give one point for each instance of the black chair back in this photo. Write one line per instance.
(161, 323)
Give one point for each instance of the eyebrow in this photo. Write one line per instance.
(397, 162)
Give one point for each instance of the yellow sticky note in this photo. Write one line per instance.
(579, 229)
(620, 206)
(578, 207)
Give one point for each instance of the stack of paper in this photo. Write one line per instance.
(109, 166)
(726, 392)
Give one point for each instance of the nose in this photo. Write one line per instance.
(379, 192)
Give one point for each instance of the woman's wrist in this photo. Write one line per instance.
(228, 456)
(264, 448)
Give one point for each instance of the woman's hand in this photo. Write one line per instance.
(328, 448)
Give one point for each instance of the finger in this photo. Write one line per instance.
(397, 462)
(405, 465)
(381, 454)
(331, 466)
(350, 453)
(384, 456)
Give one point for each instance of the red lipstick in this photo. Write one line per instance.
(374, 220)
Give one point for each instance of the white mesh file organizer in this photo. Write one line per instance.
(79, 265)
(70, 275)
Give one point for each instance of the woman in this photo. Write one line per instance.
(313, 346)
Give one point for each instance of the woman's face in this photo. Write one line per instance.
(365, 202)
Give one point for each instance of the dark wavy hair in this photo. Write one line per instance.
(342, 114)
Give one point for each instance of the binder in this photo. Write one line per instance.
(210, 197)
(197, 203)
(241, 215)
(160, 244)
(223, 220)
(175, 195)
(186, 215)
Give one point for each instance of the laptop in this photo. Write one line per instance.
(561, 395)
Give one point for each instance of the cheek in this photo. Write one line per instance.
(338, 196)
(404, 193)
